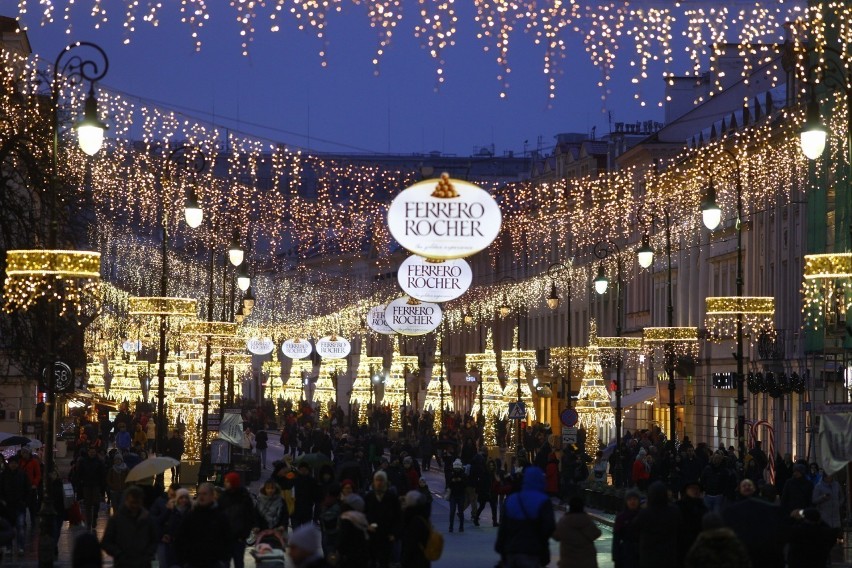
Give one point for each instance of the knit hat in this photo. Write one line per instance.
(346, 482)
(308, 538)
(233, 479)
(182, 492)
(458, 464)
(632, 493)
(354, 502)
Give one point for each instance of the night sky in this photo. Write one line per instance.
(281, 92)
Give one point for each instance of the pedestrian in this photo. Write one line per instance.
(130, 536)
(659, 528)
(238, 507)
(115, 481)
(14, 492)
(248, 441)
(576, 533)
(457, 488)
(382, 509)
(625, 540)
(810, 539)
(798, 491)
(692, 511)
(758, 524)
(123, 438)
(87, 551)
(151, 435)
(261, 440)
(487, 488)
(174, 449)
(178, 510)
(305, 548)
(717, 547)
(31, 466)
(90, 474)
(826, 498)
(415, 530)
(140, 437)
(203, 539)
(160, 510)
(305, 491)
(526, 523)
(352, 551)
(270, 506)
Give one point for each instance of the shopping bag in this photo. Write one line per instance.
(75, 516)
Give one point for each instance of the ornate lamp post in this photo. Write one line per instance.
(604, 250)
(553, 301)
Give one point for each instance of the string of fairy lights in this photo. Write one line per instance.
(639, 31)
(291, 206)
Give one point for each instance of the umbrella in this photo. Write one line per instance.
(314, 460)
(34, 444)
(15, 441)
(150, 468)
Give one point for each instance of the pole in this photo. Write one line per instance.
(740, 377)
(207, 362)
(161, 363)
(619, 307)
(668, 348)
(519, 444)
(570, 355)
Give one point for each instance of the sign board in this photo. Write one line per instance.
(569, 417)
(220, 452)
(297, 348)
(569, 436)
(62, 377)
(517, 411)
(231, 429)
(444, 218)
(837, 408)
(376, 320)
(260, 345)
(132, 346)
(333, 347)
(408, 316)
(213, 422)
(434, 280)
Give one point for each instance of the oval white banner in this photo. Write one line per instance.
(132, 346)
(444, 218)
(376, 320)
(297, 348)
(434, 281)
(260, 345)
(410, 317)
(337, 348)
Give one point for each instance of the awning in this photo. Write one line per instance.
(636, 397)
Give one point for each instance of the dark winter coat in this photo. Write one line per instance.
(659, 528)
(527, 519)
(415, 522)
(131, 541)
(758, 525)
(810, 544)
(238, 506)
(14, 491)
(798, 492)
(203, 539)
(692, 510)
(576, 533)
(625, 540)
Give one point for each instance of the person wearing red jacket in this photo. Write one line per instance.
(31, 467)
(641, 470)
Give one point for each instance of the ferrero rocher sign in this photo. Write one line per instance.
(260, 345)
(376, 320)
(444, 218)
(434, 280)
(333, 347)
(409, 316)
(297, 348)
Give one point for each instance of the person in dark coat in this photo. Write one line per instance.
(382, 509)
(758, 525)
(415, 530)
(174, 449)
(160, 511)
(261, 442)
(457, 487)
(176, 514)
(798, 491)
(625, 540)
(692, 510)
(305, 493)
(576, 533)
(90, 479)
(526, 523)
(811, 540)
(352, 551)
(131, 536)
(14, 491)
(659, 527)
(238, 506)
(203, 538)
(87, 551)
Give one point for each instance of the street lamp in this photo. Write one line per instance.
(236, 254)
(711, 199)
(813, 135)
(192, 212)
(645, 252)
(711, 213)
(90, 130)
(553, 303)
(243, 278)
(603, 250)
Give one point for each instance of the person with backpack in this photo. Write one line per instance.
(417, 550)
(526, 523)
(123, 439)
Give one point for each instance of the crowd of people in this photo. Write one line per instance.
(348, 495)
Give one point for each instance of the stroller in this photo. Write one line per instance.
(269, 546)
